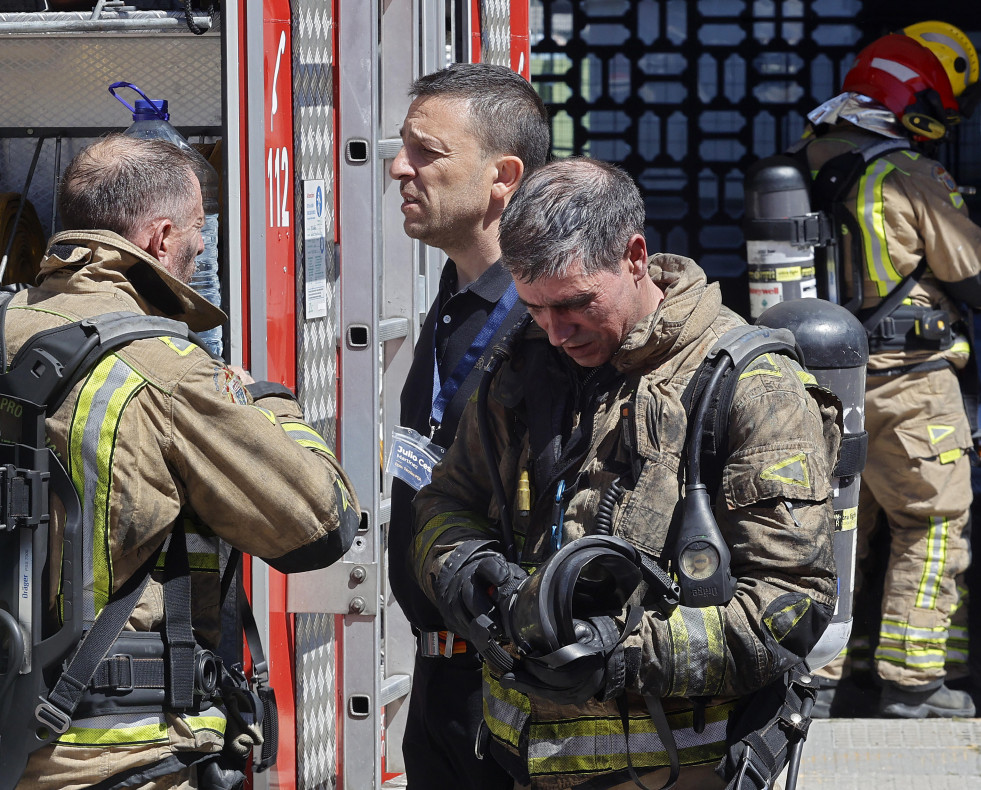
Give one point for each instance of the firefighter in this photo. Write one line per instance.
(908, 255)
(471, 133)
(162, 439)
(591, 396)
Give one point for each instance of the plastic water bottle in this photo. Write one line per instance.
(151, 121)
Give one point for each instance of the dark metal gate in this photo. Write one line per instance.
(686, 95)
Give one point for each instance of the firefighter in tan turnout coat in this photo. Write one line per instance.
(613, 327)
(160, 434)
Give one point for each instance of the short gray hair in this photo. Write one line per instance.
(121, 184)
(506, 115)
(573, 211)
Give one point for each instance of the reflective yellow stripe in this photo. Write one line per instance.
(265, 413)
(128, 729)
(179, 344)
(933, 564)
(303, 434)
(763, 365)
(871, 219)
(597, 744)
(438, 526)
(92, 437)
(505, 710)
(698, 645)
(202, 548)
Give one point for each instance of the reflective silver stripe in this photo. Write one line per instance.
(92, 434)
(896, 629)
(699, 648)
(933, 565)
(922, 659)
(614, 742)
(870, 216)
(505, 711)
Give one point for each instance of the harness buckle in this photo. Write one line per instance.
(119, 667)
(52, 716)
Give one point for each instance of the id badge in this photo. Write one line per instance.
(412, 457)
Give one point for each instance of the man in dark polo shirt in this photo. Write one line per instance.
(472, 131)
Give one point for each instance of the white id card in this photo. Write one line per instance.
(412, 457)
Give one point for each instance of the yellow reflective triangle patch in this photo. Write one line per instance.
(793, 471)
(939, 432)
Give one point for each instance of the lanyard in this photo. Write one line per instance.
(442, 395)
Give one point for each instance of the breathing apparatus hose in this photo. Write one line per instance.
(693, 464)
(604, 511)
(500, 354)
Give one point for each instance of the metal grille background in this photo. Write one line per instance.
(75, 72)
(686, 95)
(313, 130)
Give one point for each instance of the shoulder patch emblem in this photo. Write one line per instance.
(229, 385)
(792, 470)
(939, 432)
(945, 178)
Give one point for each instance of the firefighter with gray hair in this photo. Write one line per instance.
(170, 452)
(577, 440)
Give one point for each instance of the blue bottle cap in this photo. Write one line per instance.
(151, 110)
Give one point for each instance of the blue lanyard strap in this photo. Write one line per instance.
(442, 395)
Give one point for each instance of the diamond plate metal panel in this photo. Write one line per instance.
(495, 32)
(314, 159)
(313, 152)
(316, 709)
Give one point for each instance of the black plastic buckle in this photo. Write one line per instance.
(21, 495)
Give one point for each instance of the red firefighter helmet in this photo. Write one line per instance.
(908, 79)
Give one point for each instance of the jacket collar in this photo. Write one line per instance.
(99, 260)
(689, 308)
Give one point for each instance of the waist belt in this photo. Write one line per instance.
(137, 661)
(910, 328)
(916, 367)
(433, 644)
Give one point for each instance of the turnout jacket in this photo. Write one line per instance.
(160, 433)
(773, 506)
(907, 207)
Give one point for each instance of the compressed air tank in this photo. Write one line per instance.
(781, 232)
(835, 349)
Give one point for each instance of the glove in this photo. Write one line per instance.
(473, 581)
(593, 667)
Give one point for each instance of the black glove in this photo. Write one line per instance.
(473, 581)
(595, 666)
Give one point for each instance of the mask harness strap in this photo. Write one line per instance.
(267, 709)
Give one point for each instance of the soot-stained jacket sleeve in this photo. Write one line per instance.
(458, 505)
(775, 512)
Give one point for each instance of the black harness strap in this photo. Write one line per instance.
(178, 635)
(68, 691)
